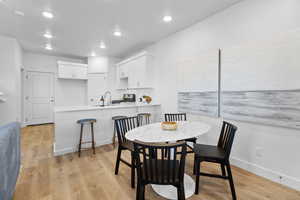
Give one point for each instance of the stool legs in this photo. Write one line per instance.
(93, 139)
(80, 140)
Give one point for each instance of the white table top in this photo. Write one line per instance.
(154, 132)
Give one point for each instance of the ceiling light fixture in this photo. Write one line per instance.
(48, 47)
(48, 35)
(102, 45)
(47, 15)
(117, 33)
(167, 18)
(93, 54)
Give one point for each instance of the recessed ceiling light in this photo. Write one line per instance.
(47, 14)
(48, 47)
(102, 45)
(167, 18)
(117, 33)
(93, 54)
(48, 35)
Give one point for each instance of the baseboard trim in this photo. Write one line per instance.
(277, 177)
(59, 152)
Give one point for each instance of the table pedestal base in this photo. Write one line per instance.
(170, 192)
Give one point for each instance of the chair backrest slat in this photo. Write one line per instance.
(124, 125)
(154, 166)
(226, 137)
(144, 118)
(172, 117)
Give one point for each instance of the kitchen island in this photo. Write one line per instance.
(66, 133)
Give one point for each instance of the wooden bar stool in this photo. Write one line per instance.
(82, 122)
(114, 118)
(144, 118)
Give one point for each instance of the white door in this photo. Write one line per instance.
(38, 98)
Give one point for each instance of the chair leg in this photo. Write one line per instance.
(223, 170)
(143, 192)
(80, 140)
(93, 138)
(194, 168)
(138, 191)
(198, 163)
(231, 181)
(118, 160)
(132, 170)
(182, 193)
(178, 193)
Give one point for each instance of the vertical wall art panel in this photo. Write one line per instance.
(260, 83)
(197, 80)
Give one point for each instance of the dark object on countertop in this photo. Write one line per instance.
(129, 98)
(116, 101)
(82, 122)
(216, 154)
(102, 101)
(10, 159)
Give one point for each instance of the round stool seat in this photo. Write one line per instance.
(118, 117)
(88, 120)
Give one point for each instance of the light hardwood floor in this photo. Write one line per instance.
(44, 177)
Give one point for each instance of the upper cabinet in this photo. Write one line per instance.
(135, 72)
(68, 70)
(97, 86)
(123, 70)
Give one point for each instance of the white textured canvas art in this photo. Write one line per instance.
(197, 80)
(260, 82)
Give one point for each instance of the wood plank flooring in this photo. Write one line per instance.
(44, 177)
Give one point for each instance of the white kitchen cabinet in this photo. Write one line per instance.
(67, 70)
(135, 72)
(97, 86)
(123, 72)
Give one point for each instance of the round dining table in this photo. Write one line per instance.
(153, 133)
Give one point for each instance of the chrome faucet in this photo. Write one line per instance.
(107, 99)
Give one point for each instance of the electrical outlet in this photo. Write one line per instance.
(259, 152)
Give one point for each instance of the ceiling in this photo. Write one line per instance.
(79, 26)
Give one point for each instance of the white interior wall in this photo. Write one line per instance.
(10, 79)
(265, 150)
(67, 92)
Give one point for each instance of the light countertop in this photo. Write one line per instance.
(85, 108)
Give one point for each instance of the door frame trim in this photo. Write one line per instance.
(24, 72)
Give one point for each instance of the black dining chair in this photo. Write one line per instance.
(124, 125)
(172, 117)
(144, 118)
(153, 167)
(216, 154)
